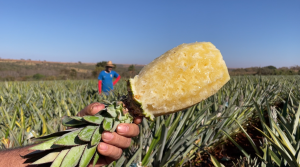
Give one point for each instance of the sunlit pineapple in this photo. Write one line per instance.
(178, 79)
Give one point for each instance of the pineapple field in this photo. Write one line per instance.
(250, 121)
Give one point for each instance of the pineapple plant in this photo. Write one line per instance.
(178, 79)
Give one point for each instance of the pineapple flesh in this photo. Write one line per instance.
(178, 79)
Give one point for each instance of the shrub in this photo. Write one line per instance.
(37, 76)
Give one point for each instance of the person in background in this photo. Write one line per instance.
(105, 79)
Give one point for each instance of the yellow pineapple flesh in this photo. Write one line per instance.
(178, 79)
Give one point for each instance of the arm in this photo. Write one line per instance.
(99, 86)
(13, 158)
(117, 79)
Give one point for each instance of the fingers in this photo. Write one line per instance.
(91, 109)
(128, 130)
(111, 152)
(116, 139)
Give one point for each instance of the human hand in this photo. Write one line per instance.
(112, 143)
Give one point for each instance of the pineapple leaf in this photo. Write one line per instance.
(56, 134)
(96, 136)
(112, 111)
(68, 121)
(96, 157)
(73, 156)
(108, 124)
(45, 145)
(69, 139)
(86, 133)
(46, 159)
(58, 160)
(87, 155)
(115, 126)
(94, 119)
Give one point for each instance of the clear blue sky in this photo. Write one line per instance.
(247, 32)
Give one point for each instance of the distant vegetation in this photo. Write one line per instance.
(268, 70)
(27, 70)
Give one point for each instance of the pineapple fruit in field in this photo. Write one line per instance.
(178, 79)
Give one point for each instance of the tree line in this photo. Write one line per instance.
(267, 70)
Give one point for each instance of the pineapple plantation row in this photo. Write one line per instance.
(256, 116)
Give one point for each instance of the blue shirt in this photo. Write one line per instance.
(107, 80)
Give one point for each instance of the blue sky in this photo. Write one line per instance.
(248, 33)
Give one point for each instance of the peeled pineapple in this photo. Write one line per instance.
(178, 79)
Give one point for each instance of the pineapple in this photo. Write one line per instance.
(178, 79)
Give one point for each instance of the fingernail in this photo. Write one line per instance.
(123, 128)
(107, 136)
(103, 146)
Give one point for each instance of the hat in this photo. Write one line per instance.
(109, 64)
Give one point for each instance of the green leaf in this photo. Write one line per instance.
(236, 144)
(45, 145)
(70, 139)
(133, 157)
(68, 121)
(248, 137)
(115, 126)
(215, 161)
(73, 156)
(94, 119)
(296, 120)
(56, 134)
(112, 111)
(86, 133)
(108, 124)
(96, 136)
(46, 159)
(58, 160)
(96, 157)
(121, 160)
(87, 155)
(283, 152)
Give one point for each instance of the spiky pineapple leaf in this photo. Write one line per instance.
(87, 155)
(115, 126)
(86, 133)
(58, 160)
(73, 156)
(53, 135)
(215, 161)
(112, 111)
(46, 145)
(94, 119)
(46, 159)
(96, 158)
(108, 123)
(70, 139)
(96, 136)
(70, 122)
(41, 153)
